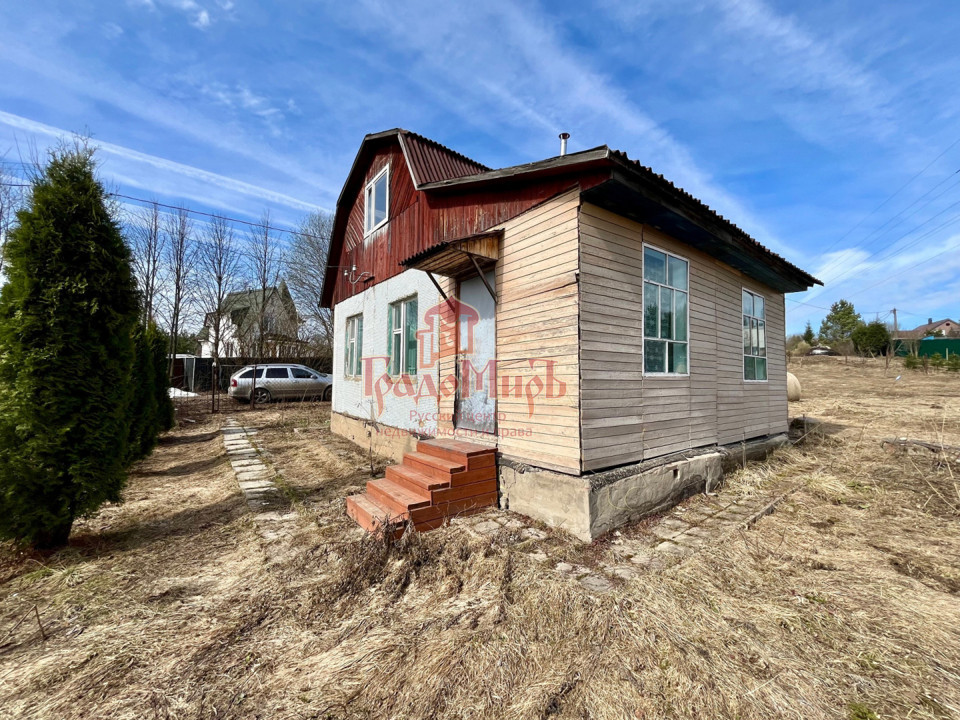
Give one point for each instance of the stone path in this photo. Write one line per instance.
(270, 507)
(681, 532)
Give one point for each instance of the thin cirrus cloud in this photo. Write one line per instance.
(202, 177)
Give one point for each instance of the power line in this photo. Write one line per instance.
(891, 197)
(193, 212)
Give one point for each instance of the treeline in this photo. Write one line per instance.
(83, 378)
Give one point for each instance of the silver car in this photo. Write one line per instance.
(280, 382)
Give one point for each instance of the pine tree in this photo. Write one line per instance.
(67, 313)
(840, 322)
(808, 336)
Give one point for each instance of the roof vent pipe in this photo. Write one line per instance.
(563, 143)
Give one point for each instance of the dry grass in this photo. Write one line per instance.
(844, 603)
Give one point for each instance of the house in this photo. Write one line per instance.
(576, 338)
(946, 327)
(253, 323)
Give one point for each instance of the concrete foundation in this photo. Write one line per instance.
(592, 505)
(383, 439)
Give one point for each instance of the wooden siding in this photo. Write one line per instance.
(537, 320)
(418, 220)
(627, 417)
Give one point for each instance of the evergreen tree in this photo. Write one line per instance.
(808, 336)
(839, 323)
(67, 313)
(871, 339)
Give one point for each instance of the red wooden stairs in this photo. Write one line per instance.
(444, 478)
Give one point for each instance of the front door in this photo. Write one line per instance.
(476, 358)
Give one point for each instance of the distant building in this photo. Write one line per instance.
(246, 331)
(932, 327)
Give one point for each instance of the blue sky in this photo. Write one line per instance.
(829, 131)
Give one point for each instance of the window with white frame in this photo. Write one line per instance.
(353, 350)
(402, 337)
(665, 313)
(376, 199)
(754, 337)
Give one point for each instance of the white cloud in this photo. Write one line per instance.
(112, 30)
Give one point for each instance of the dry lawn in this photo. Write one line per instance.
(845, 603)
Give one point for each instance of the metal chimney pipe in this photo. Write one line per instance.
(563, 143)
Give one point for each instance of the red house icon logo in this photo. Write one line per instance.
(443, 321)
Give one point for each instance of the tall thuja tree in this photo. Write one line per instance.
(67, 314)
(151, 408)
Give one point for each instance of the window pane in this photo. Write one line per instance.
(410, 332)
(761, 337)
(654, 266)
(391, 324)
(395, 353)
(358, 351)
(761, 368)
(747, 303)
(677, 360)
(753, 337)
(746, 335)
(277, 374)
(380, 201)
(749, 368)
(758, 306)
(677, 276)
(654, 356)
(248, 375)
(666, 313)
(651, 310)
(301, 374)
(680, 322)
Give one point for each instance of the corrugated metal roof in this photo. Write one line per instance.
(430, 161)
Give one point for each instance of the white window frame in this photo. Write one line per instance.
(643, 310)
(401, 331)
(350, 335)
(765, 356)
(369, 200)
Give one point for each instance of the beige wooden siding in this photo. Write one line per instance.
(627, 417)
(537, 313)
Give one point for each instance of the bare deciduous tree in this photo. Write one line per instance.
(265, 263)
(181, 262)
(220, 265)
(148, 252)
(11, 199)
(306, 266)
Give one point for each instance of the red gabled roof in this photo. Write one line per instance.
(429, 161)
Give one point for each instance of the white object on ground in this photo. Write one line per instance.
(793, 388)
(177, 392)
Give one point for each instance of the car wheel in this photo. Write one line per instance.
(328, 394)
(261, 395)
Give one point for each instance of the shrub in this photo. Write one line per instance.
(67, 313)
(871, 339)
(937, 361)
(911, 362)
(953, 363)
(151, 409)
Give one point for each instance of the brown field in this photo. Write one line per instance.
(845, 603)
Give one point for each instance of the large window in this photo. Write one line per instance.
(402, 337)
(665, 313)
(352, 366)
(376, 201)
(754, 337)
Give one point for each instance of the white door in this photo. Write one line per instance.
(476, 360)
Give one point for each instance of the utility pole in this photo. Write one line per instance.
(894, 323)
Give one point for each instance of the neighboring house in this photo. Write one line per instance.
(579, 336)
(947, 327)
(245, 331)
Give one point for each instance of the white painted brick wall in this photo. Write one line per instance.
(348, 397)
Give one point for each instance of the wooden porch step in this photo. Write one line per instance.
(432, 466)
(470, 455)
(415, 480)
(369, 514)
(396, 497)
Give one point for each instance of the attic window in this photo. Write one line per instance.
(376, 201)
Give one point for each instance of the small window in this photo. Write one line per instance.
(375, 201)
(754, 337)
(248, 375)
(277, 373)
(353, 348)
(402, 337)
(665, 313)
(301, 374)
